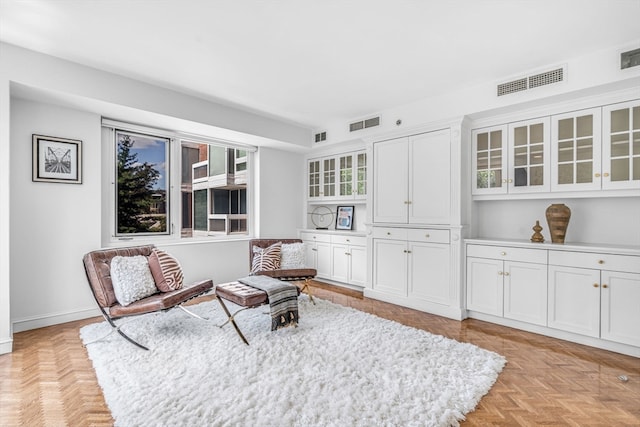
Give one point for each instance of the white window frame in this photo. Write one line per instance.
(174, 200)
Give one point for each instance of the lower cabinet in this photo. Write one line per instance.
(508, 282)
(562, 292)
(412, 267)
(595, 301)
(337, 257)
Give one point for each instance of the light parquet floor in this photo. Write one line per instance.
(48, 380)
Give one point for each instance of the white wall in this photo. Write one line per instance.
(614, 220)
(51, 226)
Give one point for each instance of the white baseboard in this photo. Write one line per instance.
(6, 346)
(451, 312)
(20, 325)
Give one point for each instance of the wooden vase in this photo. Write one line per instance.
(558, 216)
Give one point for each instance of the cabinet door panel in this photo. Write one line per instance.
(323, 259)
(310, 255)
(390, 181)
(340, 263)
(621, 307)
(358, 265)
(430, 178)
(621, 145)
(574, 300)
(429, 272)
(525, 292)
(484, 285)
(390, 266)
(529, 156)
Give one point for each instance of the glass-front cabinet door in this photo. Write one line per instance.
(621, 145)
(576, 151)
(328, 178)
(361, 175)
(314, 175)
(489, 160)
(529, 156)
(345, 176)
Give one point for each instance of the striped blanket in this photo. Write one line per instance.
(283, 299)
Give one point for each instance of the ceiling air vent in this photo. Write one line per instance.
(363, 124)
(530, 82)
(321, 136)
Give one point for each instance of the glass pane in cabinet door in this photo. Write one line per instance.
(536, 133)
(496, 178)
(584, 172)
(520, 177)
(482, 142)
(329, 177)
(496, 159)
(565, 151)
(620, 169)
(636, 143)
(520, 156)
(620, 120)
(496, 139)
(585, 149)
(482, 162)
(620, 145)
(565, 129)
(636, 118)
(535, 157)
(361, 185)
(537, 175)
(584, 126)
(636, 168)
(520, 136)
(482, 179)
(565, 173)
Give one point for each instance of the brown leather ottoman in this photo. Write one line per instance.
(242, 295)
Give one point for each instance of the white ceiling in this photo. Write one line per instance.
(316, 62)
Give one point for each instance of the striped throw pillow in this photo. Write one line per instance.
(265, 259)
(166, 271)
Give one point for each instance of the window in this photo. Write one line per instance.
(141, 184)
(167, 185)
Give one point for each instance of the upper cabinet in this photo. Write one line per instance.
(412, 180)
(621, 145)
(341, 177)
(586, 150)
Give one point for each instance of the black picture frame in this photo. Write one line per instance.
(344, 218)
(56, 159)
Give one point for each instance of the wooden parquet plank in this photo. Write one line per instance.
(49, 380)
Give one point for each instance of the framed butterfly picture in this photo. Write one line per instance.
(57, 160)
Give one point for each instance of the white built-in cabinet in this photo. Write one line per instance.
(508, 282)
(337, 257)
(337, 177)
(579, 293)
(597, 295)
(412, 179)
(585, 150)
(412, 264)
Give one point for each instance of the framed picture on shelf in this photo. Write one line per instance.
(344, 218)
(57, 159)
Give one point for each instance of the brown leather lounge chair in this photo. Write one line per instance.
(303, 275)
(98, 266)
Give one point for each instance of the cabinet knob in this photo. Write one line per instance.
(388, 233)
(314, 249)
(504, 180)
(597, 175)
(427, 236)
(606, 174)
(595, 285)
(506, 273)
(500, 273)
(348, 240)
(600, 261)
(604, 285)
(503, 253)
(347, 253)
(510, 180)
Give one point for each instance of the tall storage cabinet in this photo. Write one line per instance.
(414, 239)
(412, 179)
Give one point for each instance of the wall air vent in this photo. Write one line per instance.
(630, 59)
(321, 136)
(532, 81)
(511, 87)
(363, 124)
(547, 78)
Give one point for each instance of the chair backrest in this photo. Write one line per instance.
(265, 243)
(97, 265)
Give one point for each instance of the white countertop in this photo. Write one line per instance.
(567, 246)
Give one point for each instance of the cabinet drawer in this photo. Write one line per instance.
(626, 263)
(429, 235)
(389, 233)
(349, 240)
(537, 256)
(315, 237)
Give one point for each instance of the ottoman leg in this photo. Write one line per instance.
(231, 319)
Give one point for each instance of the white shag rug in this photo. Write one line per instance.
(339, 367)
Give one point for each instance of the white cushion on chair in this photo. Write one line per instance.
(292, 256)
(131, 278)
